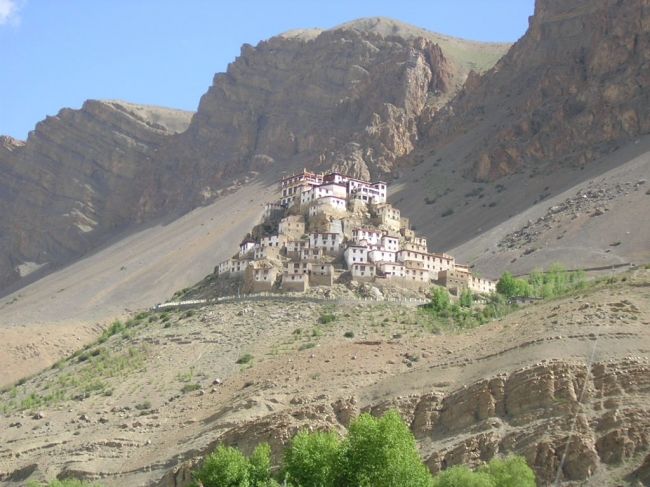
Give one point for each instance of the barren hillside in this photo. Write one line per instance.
(130, 410)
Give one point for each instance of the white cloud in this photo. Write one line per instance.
(8, 11)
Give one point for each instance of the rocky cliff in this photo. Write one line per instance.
(575, 86)
(79, 176)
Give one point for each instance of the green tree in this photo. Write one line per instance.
(510, 472)
(260, 465)
(440, 300)
(510, 286)
(313, 459)
(461, 476)
(225, 467)
(381, 452)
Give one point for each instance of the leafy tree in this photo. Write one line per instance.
(510, 286)
(381, 452)
(63, 483)
(511, 472)
(461, 476)
(440, 300)
(229, 467)
(313, 459)
(225, 467)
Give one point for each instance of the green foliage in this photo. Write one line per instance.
(381, 452)
(440, 300)
(466, 299)
(116, 327)
(326, 318)
(348, 334)
(461, 476)
(229, 467)
(511, 472)
(244, 359)
(378, 452)
(550, 284)
(313, 459)
(510, 286)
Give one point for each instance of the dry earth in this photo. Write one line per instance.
(516, 384)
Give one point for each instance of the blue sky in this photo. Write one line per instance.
(58, 53)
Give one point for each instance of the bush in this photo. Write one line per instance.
(461, 476)
(244, 359)
(348, 334)
(229, 467)
(466, 299)
(313, 459)
(326, 318)
(511, 472)
(190, 387)
(440, 300)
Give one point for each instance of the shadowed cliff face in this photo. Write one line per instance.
(574, 87)
(345, 99)
(80, 175)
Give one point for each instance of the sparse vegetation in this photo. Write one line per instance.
(553, 283)
(190, 387)
(447, 212)
(348, 334)
(326, 318)
(244, 359)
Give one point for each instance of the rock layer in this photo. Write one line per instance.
(575, 86)
(79, 176)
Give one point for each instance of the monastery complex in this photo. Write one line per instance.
(329, 228)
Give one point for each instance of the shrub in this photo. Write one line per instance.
(461, 476)
(190, 387)
(244, 359)
(440, 300)
(511, 472)
(228, 467)
(466, 299)
(116, 327)
(447, 212)
(306, 346)
(326, 318)
(348, 334)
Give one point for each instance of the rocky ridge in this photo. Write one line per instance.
(574, 87)
(80, 175)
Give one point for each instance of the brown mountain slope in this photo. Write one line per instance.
(575, 86)
(80, 175)
(569, 371)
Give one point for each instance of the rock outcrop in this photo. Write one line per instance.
(575, 86)
(79, 176)
(346, 98)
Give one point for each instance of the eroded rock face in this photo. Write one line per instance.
(593, 419)
(346, 99)
(80, 175)
(572, 88)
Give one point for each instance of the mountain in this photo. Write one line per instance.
(574, 87)
(80, 175)
(348, 97)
